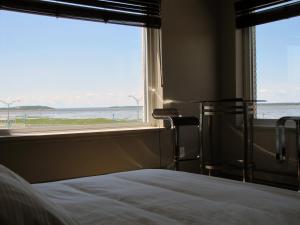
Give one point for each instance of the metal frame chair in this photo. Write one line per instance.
(176, 121)
(280, 142)
(237, 106)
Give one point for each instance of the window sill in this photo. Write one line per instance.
(84, 133)
(271, 123)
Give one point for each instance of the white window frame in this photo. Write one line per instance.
(249, 74)
(152, 72)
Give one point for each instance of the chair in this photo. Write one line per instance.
(176, 121)
(281, 145)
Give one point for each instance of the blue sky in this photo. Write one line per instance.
(73, 63)
(278, 61)
(68, 63)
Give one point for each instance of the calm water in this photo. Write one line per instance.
(275, 111)
(127, 113)
(264, 111)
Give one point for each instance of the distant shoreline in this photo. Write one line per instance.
(35, 107)
(293, 103)
(75, 108)
(46, 108)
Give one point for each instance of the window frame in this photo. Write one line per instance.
(250, 73)
(152, 81)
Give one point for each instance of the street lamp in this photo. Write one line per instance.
(8, 104)
(138, 105)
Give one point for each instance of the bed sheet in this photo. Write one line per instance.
(170, 197)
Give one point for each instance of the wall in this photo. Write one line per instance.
(190, 64)
(202, 59)
(56, 157)
(190, 50)
(190, 43)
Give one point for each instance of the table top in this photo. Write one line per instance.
(229, 100)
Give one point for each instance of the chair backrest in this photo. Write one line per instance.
(165, 114)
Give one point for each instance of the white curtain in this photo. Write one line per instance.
(153, 72)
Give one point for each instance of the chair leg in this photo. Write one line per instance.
(176, 150)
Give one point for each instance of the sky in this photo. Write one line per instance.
(278, 61)
(66, 63)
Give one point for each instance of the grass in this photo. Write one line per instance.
(62, 121)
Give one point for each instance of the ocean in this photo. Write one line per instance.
(277, 110)
(122, 113)
(264, 111)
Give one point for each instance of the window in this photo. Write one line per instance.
(278, 68)
(65, 73)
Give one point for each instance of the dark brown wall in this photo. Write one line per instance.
(59, 157)
(190, 40)
(190, 50)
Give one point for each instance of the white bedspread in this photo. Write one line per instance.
(169, 197)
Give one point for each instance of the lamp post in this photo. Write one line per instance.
(8, 104)
(138, 105)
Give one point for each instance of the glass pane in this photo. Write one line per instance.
(62, 72)
(278, 68)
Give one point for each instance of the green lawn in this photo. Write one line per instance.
(61, 121)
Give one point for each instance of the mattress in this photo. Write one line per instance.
(171, 197)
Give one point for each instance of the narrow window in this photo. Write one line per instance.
(278, 68)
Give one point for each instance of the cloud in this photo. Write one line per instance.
(264, 91)
(280, 94)
(91, 95)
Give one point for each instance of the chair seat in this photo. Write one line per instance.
(185, 121)
(212, 166)
(239, 164)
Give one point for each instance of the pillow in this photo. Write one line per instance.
(20, 204)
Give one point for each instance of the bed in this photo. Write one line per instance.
(156, 196)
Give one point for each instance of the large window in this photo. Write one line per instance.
(66, 73)
(278, 68)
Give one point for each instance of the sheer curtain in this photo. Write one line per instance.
(153, 72)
